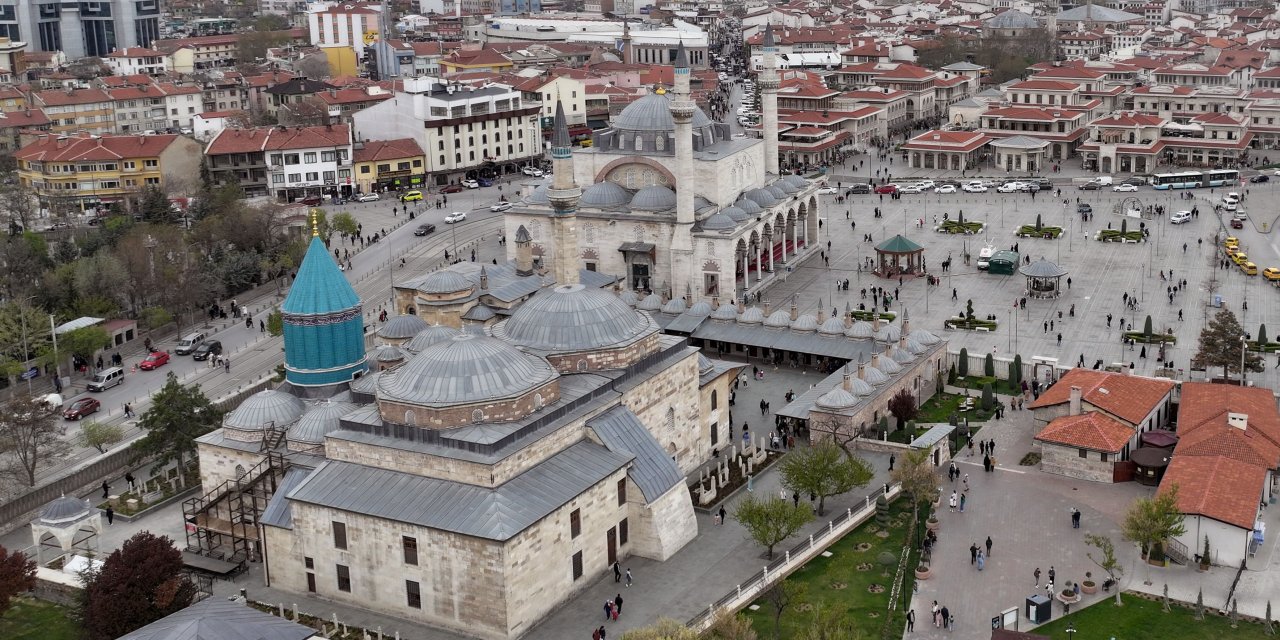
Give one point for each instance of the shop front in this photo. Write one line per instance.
(399, 181)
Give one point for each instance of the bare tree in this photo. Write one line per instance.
(30, 437)
(839, 431)
(314, 66)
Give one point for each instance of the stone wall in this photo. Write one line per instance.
(496, 410)
(716, 419)
(218, 464)
(662, 527)
(605, 359)
(461, 578)
(919, 377)
(1066, 461)
(668, 404)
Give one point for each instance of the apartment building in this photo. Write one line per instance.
(389, 165)
(155, 107)
(90, 170)
(81, 29)
(464, 130)
(136, 60)
(289, 163)
(71, 110)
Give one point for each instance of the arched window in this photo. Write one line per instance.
(408, 417)
(671, 420)
(714, 398)
(659, 142)
(477, 415)
(240, 471)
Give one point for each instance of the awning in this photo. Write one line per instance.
(636, 247)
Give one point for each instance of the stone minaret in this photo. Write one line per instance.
(524, 252)
(768, 82)
(626, 41)
(564, 195)
(682, 110)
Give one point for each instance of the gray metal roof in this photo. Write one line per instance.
(786, 187)
(757, 336)
(963, 66)
(263, 408)
(494, 514)
(1043, 269)
(279, 512)
(388, 353)
(1096, 13)
(467, 368)
(402, 327)
(751, 207)
(1011, 19)
(574, 318)
(653, 113)
(605, 195)
(762, 197)
(479, 313)
(319, 420)
(444, 281)
(735, 213)
(719, 222)
(931, 437)
(654, 198)
(65, 509)
(796, 180)
(653, 469)
(367, 383)
(220, 619)
(1020, 142)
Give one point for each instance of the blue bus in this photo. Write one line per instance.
(1196, 179)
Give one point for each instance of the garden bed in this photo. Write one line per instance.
(970, 324)
(31, 619)
(1126, 237)
(868, 316)
(1144, 618)
(1156, 338)
(960, 228)
(1270, 347)
(736, 481)
(1030, 231)
(942, 406)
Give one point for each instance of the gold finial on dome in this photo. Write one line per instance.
(315, 224)
(660, 91)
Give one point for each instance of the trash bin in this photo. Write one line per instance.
(1217, 300)
(1039, 609)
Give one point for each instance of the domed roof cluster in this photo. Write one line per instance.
(654, 198)
(574, 318)
(653, 113)
(845, 395)
(265, 408)
(319, 421)
(833, 326)
(719, 222)
(429, 336)
(464, 369)
(401, 327)
(605, 195)
(64, 510)
(444, 281)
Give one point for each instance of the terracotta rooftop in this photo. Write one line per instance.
(110, 147)
(1130, 398)
(1216, 487)
(1091, 430)
(387, 150)
(1204, 404)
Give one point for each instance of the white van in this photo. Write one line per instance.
(106, 379)
(189, 342)
(1105, 181)
(984, 256)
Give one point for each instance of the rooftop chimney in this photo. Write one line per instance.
(847, 385)
(1075, 401)
(1238, 420)
(795, 311)
(848, 315)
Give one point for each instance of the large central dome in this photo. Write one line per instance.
(647, 127)
(653, 113)
(574, 318)
(462, 370)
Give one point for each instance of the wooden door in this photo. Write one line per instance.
(613, 544)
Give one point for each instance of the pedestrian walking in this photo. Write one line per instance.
(891, 458)
(982, 561)
(973, 553)
(721, 514)
(111, 514)
(1053, 575)
(1075, 518)
(937, 615)
(617, 571)
(962, 503)
(988, 545)
(106, 489)
(595, 634)
(911, 621)
(227, 364)
(603, 633)
(951, 503)
(628, 577)
(608, 609)
(1036, 574)
(128, 478)
(946, 618)
(617, 606)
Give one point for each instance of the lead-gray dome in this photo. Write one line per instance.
(762, 197)
(319, 421)
(540, 195)
(654, 198)
(786, 187)
(388, 354)
(860, 330)
(779, 318)
(700, 308)
(778, 192)
(653, 113)
(833, 326)
(444, 281)
(467, 368)
(718, 222)
(889, 333)
(899, 355)
(750, 206)
(429, 336)
(796, 180)
(366, 384)
(573, 318)
(674, 306)
(837, 398)
(605, 195)
(265, 408)
(726, 311)
(874, 376)
(735, 213)
(629, 298)
(752, 315)
(402, 327)
(651, 302)
(887, 363)
(805, 322)
(64, 510)
(860, 387)
(923, 337)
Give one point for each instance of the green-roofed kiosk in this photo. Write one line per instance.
(899, 256)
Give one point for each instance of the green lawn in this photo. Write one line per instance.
(842, 581)
(940, 407)
(1141, 618)
(31, 619)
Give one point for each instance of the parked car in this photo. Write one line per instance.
(501, 206)
(206, 349)
(946, 188)
(424, 229)
(1271, 273)
(470, 184)
(1231, 242)
(532, 171)
(1237, 223)
(81, 408)
(1084, 207)
(189, 342)
(1009, 187)
(1249, 269)
(1125, 188)
(154, 360)
(411, 196)
(926, 184)
(828, 190)
(312, 201)
(887, 188)
(911, 188)
(1261, 177)
(485, 182)
(974, 187)
(1135, 181)
(860, 188)
(368, 197)
(456, 216)
(451, 188)
(1091, 186)
(1180, 217)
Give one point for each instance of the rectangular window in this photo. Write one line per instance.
(309, 157)
(622, 532)
(328, 156)
(312, 176)
(410, 546)
(339, 535)
(575, 523)
(344, 578)
(328, 177)
(151, 164)
(291, 158)
(402, 166)
(309, 563)
(577, 565)
(413, 594)
(622, 492)
(1084, 453)
(295, 177)
(1105, 457)
(364, 169)
(275, 158)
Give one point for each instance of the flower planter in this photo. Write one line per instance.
(1088, 588)
(923, 573)
(1068, 599)
(932, 525)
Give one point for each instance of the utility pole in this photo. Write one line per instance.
(26, 350)
(57, 359)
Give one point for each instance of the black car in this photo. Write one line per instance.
(206, 349)
(423, 230)
(1261, 177)
(860, 188)
(1084, 207)
(1045, 184)
(1135, 181)
(1091, 186)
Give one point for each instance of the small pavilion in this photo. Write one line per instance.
(899, 256)
(1044, 278)
(74, 526)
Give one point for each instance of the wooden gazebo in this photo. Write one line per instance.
(1044, 279)
(898, 257)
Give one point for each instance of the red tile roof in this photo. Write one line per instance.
(25, 118)
(1216, 487)
(387, 150)
(1128, 120)
(1203, 403)
(60, 98)
(961, 141)
(1046, 85)
(1129, 398)
(350, 96)
(52, 148)
(1091, 430)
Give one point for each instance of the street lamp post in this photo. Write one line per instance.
(1244, 346)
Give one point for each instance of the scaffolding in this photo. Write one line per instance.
(222, 523)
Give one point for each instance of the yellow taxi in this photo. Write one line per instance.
(412, 196)
(1249, 269)
(1240, 258)
(1271, 273)
(1231, 242)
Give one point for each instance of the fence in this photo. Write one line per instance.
(793, 558)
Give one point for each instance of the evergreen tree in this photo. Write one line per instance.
(1221, 346)
(964, 362)
(178, 415)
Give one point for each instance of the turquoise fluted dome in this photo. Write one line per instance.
(323, 325)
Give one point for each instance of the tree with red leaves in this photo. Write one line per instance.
(903, 406)
(17, 575)
(139, 583)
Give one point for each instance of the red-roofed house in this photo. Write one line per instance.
(1083, 445)
(90, 170)
(952, 150)
(389, 165)
(136, 60)
(1124, 141)
(90, 110)
(20, 127)
(286, 162)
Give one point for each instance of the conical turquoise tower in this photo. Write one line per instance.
(323, 327)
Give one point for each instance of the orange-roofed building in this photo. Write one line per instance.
(89, 170)
(1140, 403)
(383, 165)
(952, 150)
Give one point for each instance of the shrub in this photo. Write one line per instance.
(964, 362)
(988, 398)
(989, 366)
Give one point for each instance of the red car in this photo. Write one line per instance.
(312, 201)
(154, 360)
(81, 408)
(453, 188)
(887, 188)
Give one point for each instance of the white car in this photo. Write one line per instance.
(1231, 198)
(532, 171)
(368, 197)
(470, 184)
(946, 188)
(1009, 187)
(1231, 205)
(925, 184)
(456, 216)
(828, 190)
(1180, 217)
(911, 188)
(974, 187)
(1125, 188)
(501, 206)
